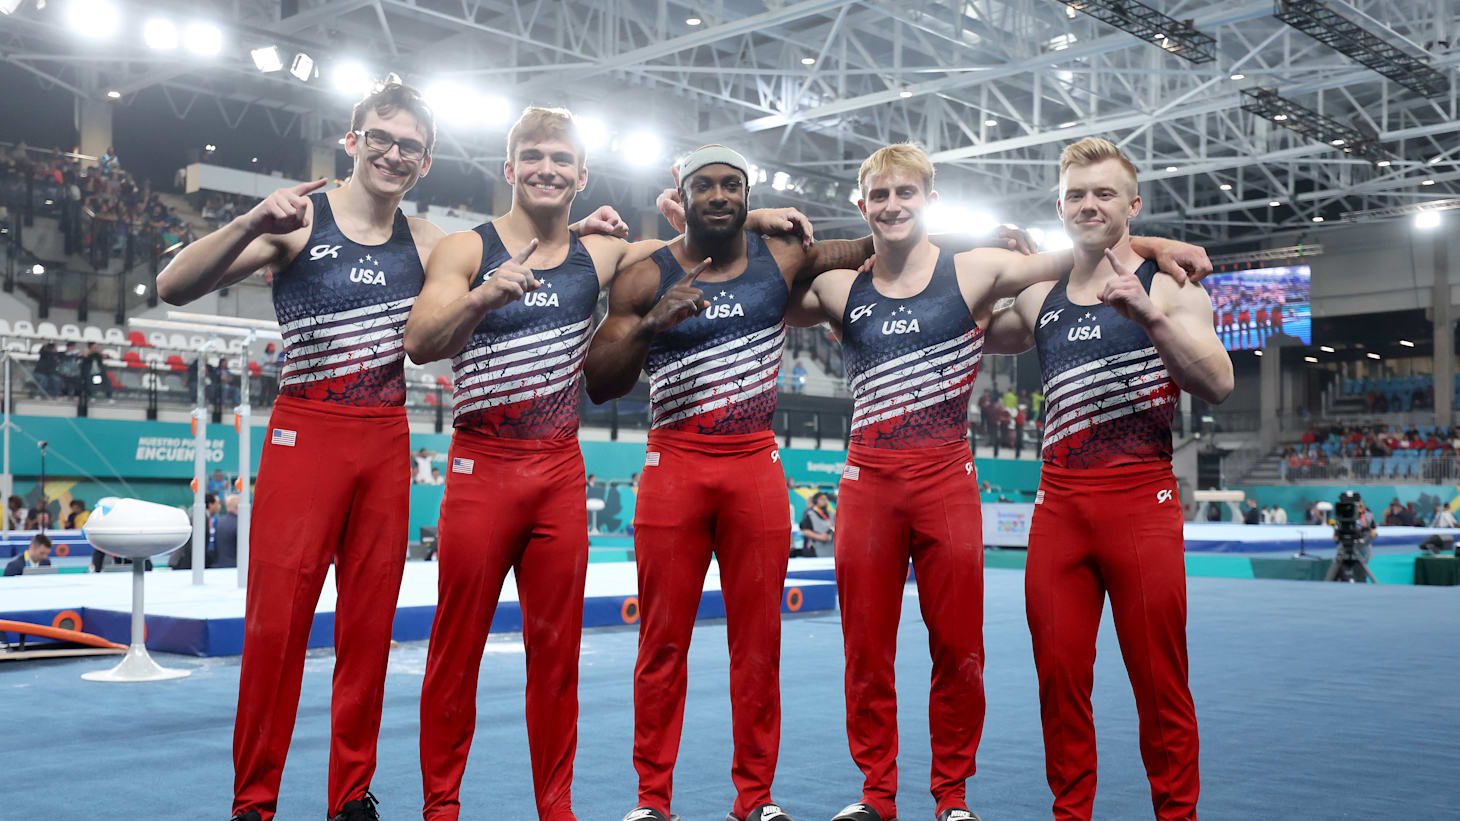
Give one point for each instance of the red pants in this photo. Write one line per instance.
(521, 508)
(920, 503)
(334, 484)
(700, 496)
(1115, 530)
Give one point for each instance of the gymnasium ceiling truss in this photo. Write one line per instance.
(807, 88)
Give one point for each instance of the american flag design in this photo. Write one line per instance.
(460, 465)
(910, 362)
(852, 472)
(520, 374)
(280, 436)
(1109, 399)
(715, 373)
(651, 459)
(342, 310)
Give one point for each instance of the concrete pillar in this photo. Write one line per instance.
(94, 124)
(322, 157)
(1269, 384)
(1444, 325)
(649, 223)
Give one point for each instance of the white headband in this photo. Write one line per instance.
(712, 155)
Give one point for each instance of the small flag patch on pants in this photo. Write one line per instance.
(283, 437)
(1039, 497)
(851, 472)
(460, 465)
(651, 459)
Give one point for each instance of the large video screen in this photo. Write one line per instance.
(1249, 307)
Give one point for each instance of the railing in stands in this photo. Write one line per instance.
(1401, 467)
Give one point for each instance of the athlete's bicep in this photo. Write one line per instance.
(1189, 306)
(630, 299)
(833, 254)
(804, 308)
(449, 271)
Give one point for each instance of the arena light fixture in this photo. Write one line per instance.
(855, 195)
(1267, 103)
(203, 39)
(1373, 355)
(1171, 169)
(780, 181)
(351, 78)
(1326, 348)
(302, 67)
(1355, 39)
(641, 148)
(1257, 353)
(692, 21)
(267, 59)
(114, 94)
(990, 122)
(38, 269)
(140, 290)
(1273, 203)
(1179, 37)
(160, 34)
(1238, 77)
(1226, 186)
(1318, 219)
(1069, 124)
(495, 110)
(1312, 359)
(1426, 182)
(1336, 141)
(93, 19)
(808, 61)
(592, 131)
(210, 148)
(1426, 220)
(905, 93)
(1055, 239)
(1406, 343)
(1383, 164)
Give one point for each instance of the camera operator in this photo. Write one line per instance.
(1353, 531)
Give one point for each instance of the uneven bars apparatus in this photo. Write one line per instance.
(237, 328)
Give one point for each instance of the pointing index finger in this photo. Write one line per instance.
(307, 187)
(1120, 269)
(689, 278)
(521, 256)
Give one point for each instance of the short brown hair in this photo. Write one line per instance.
(538, 124)
(393, 97)
(1092, 150)
(906, 156)
(40, 540)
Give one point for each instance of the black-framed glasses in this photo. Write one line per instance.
(380, 142)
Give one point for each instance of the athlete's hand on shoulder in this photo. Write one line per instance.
(1014, 238)
(284, 211)
(605, 221)
(1127, 296)
(1181, 261)
(508, 282)
(673, 210)
(679, 303)
(868, 264)
(779, 222)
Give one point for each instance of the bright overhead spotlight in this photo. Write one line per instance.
(1070, 124)
(1317, 219)
(592, 131)
(1426, 220)
(38, 269)
(1280, 118)
(781, 181)
(641, 148)
(1310, 359)
(1406, 343)
(93, 19)
(1383, 163)
(160, 34)
(1336, 141)
(140, 290)
(114, 94)
(1426, 182)
(1171, 169)
(950, 217)
(1057, 240)
(351, 78)
(1273, 203)
(808, 61)
(991, 122)
(855, 195)
(255, 159)
(692, 21)
(1257, 353)
(904, 94)
(203, 39)
(495, 110)
(302, 68)
(1226, 186)
(1325, 348)
(1373, 355)
(1239, 76)
(267, 59)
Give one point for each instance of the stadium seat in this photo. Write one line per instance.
(116, 383)
(443, 382)
(197, 341)
(17, 345)
(431, 399)
(255, 369)
(114, 336)
(71, 333)
(133, 359)
(4, 328)
(91, 333)
(111, 353)
(138, 339)
(22, 327)
(47, 330)
(175, 361)
(158, 339)
(177, 342)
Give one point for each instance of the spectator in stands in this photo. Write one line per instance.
(93, 372)
(78, 516)
(225, 535)
(817, 525)
(37, 555)
(39, 517)
(269, 372)
(1394, 514)
(1279, 515)
(46, 377)
(422, 460)
(1442, 517)
(798, 378)
(1265, 517)
(182, 558)
(217, 483)
(592, 481)
(69, 368)
(634, 482)
(1251, 515)
(1412, 517)
(16, 514)
(436, 477)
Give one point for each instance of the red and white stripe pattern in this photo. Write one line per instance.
(717, 377)
(516, 369)
(329, 346)
(943, 372)
(1104, 390)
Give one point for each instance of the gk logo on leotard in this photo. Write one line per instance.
(775, 456)
(1163, 496)
(968, 468)
(319, 252)
(860, 311)
(1049, 317)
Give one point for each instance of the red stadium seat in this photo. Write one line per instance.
(176, 362)
(133, 359)
(443, 382)
(137, 339)
(431, 399)
(116, 383)
(255, 369)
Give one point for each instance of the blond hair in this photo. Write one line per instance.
(538, 124)
(1092, 150)
(899, 156)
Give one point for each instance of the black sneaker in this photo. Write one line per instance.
(958, 814)
(251, 815)
(361, 809)
(860, 812)
(647, 814)
(765, 812)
